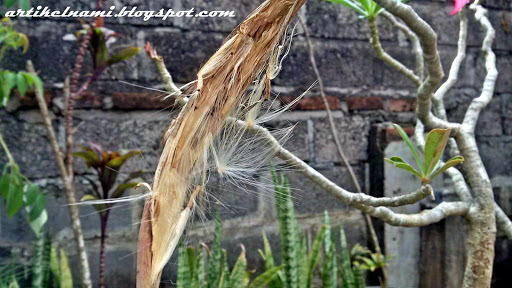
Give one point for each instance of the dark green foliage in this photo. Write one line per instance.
(10, 39)
(99, 48)
(215, 262)
(290, 239)
(192, 265)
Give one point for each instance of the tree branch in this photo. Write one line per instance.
(454, 70)
(67, 182)
(360, 201)
(390, 61)
(416, 44)
(485, 97)
(425, 217)
(430, 54)
(503, 222)
(334, 132)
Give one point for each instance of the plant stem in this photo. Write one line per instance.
(7, 151)
(67, 182)
(371, 228)
(104, 220)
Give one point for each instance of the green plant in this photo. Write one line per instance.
(47, 269)
(294, 247)
(24, 4)
(99, 46)
(12, 39)
(434, 148)
(106, 165)
(209, 267)
(299, 265)
(365, 8)
(60, 269)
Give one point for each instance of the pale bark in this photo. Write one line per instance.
(334, 132)
(390, 61)
(477, 203)
(68, 184)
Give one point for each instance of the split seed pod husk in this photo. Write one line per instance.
(222, 81)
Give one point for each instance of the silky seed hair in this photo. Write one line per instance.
(184, 164)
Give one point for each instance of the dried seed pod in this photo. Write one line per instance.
(222, 81)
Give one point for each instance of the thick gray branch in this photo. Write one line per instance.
(485, 97)
(454, 70)
(503, 222)
(360, 201)
(430, 54)
(390, 61)
(425, 217)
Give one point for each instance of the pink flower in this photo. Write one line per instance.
(458, 5)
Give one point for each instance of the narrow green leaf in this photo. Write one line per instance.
(91, 159)
(434, 148)
(351, 5)
(450, 163)
(358, 279)
(66, 279)
(314, 254)
(238, 273)
(290, 240)
(265, 278)
(327, 277)
(22, 84)
(119, 161)
(46, 260)
(37, 262)
(411, 147)
(123, 55)
(215, 261)
(38, 82)
(15, 196)
(101, 52)
(183, 280)
(201, 263)
(4, 185)
(88, 197)
(345, 258)
(303, 263)
(122, 188)
(192, 264)
(224, 277)
(398, 162)
(367, 5)
(54, 267)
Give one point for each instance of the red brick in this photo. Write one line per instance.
(313, 103)
(29, 99)
(89, 99)
(402, 105)
(146, 100)
(364, 103)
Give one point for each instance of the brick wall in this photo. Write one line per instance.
(362, 92)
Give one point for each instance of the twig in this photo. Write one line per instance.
(485, 97)
(334, 133)
(433, 64)
(67, 182)
(356, 200)
(390, 61)
(416, 44)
